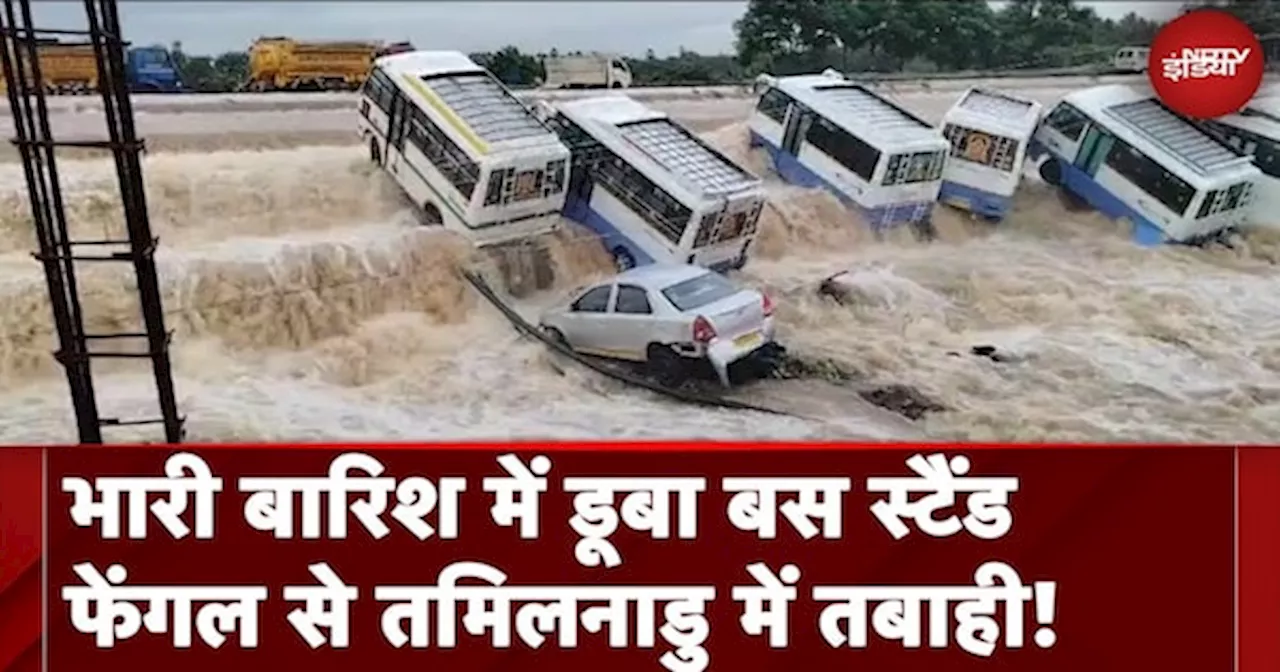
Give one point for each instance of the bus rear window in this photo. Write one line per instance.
(700, 291)
(985, 149)
(914, 168)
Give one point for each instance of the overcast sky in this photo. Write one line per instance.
(623, 27)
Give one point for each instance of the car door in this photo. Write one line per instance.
(629, 324)
(584, 323)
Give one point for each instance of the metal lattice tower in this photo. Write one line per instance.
(58, 253)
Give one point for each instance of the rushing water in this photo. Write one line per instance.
(308, 306)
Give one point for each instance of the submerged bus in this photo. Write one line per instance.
(653, 191)
(825, 131)
(467, 152)
(1123, 152)
(988, 131)
(1255, 131)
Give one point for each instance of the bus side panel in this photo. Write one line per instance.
(617, 226)
(419, 179)
(765, 132)
(1101, 194)
(879, 206)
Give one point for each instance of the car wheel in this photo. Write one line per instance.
(375, 153)
(556, 336)
(430, 215)
(623, 259)
(667, 367)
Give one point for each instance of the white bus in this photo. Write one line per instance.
(1255, 131)
(988, 131)
(652, 190)
(825, 131)
(466, 151)
(1124, 153)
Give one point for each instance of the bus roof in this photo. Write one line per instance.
(997, 108)
(1261, 115)
(667, 144)
(468, 98)
(853, 106)
(1142, 118)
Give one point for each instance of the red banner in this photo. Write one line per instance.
(642, 557)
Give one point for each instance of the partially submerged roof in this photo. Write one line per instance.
(1141, 114)
(467, 92)
(666, 143)
(1004, 108)
(852, 105)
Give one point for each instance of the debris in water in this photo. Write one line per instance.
(902, 399)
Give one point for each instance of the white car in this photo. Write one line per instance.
(669, 317)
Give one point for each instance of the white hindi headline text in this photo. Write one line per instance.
(938, 498)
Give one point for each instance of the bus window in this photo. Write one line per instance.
(1150, 177)
(1067, 120)
(773, 104)
(982, 148)
(842, 146)
(379, 88)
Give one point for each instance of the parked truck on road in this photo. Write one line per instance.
(592, 71)
(286, 64)
(71, 68)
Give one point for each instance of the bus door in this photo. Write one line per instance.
(798, 120)
(1093, 149)
(397, 129)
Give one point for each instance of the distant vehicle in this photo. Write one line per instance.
(1123, 152)
(670, 317)
(653, 191)
(592, 71)
(1255, 131)
(72, 68)
(1130, 59)
(286, 64)
(876, 157)
(988, 131)
(468, 154)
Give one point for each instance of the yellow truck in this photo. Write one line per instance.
(71, 68)
(65, 68)
(286, 64)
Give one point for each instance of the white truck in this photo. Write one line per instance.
(1130, 59)
(592, 71)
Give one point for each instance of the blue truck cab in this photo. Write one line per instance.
(151, 70)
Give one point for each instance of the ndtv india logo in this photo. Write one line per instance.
(1206, 64)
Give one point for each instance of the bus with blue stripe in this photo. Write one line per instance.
(823, 131)
(1255, 131)
(1121, 151)
(467, 153)
(652, 190)
(988, 131)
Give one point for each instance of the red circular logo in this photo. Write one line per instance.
(1205, 63)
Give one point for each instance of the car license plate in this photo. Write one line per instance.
(958, 202)
(747, 340)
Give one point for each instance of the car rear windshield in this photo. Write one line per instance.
(697, 292)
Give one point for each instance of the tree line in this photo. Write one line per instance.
(882, 36)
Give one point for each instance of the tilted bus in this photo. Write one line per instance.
(465, 150)
(1123, 152)
(988, 131)
(651, 189)
(1255, 131)
(825, 131)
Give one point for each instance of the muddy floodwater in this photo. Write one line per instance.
(307, 305)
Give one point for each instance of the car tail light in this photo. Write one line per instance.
(767, 305)
(703, 332)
